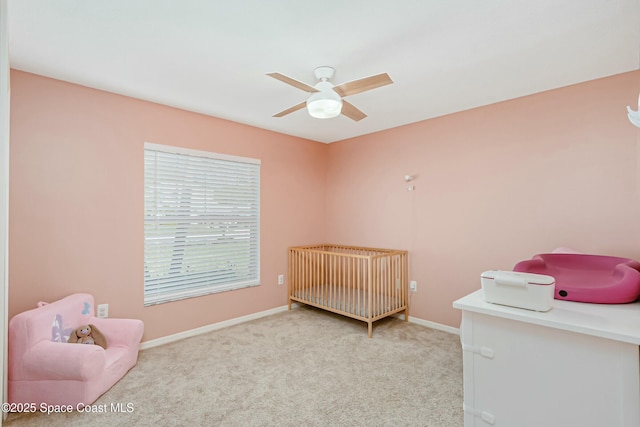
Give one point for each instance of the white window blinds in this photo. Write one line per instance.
(201, 227)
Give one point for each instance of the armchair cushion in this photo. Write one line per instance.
(44, 368)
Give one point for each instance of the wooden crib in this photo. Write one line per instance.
(366, 284)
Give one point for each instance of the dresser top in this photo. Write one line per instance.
(619, 322)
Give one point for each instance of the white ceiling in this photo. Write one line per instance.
(211, 56)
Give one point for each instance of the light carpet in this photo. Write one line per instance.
(304, 367)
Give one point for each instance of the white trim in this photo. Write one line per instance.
(199, 153)
(432, 325)
(5, 108)
(209, 328)
(238, 320)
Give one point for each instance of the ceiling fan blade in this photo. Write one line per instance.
(292, 109)
(293, 82)
(361, 85)
(352, 112)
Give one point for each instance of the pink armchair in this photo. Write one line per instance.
(44, 368)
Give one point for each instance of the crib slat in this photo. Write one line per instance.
(350, 306)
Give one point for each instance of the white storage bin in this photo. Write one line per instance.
(515, 289)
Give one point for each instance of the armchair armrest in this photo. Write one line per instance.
(62, 361)
(120, 332)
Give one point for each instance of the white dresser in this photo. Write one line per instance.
(576, 365)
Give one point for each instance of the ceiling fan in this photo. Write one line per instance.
(326, 99)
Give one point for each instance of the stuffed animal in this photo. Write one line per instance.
(88, 334)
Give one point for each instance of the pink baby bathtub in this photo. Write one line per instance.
(588, 278)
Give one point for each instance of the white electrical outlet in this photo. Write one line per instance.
(103, 310)
(281, 279)
(413, 286)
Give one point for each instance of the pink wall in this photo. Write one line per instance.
(494, 185)
(76, 207)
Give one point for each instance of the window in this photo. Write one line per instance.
(201, 223)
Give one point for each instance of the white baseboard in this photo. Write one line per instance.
(235, 321)
(208, 328)
(432, 325)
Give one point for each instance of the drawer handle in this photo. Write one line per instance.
(485, 416)
(482, 350)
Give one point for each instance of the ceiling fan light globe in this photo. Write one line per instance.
(324, 104)
(324, 108)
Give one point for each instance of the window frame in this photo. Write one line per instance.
(162, 285)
